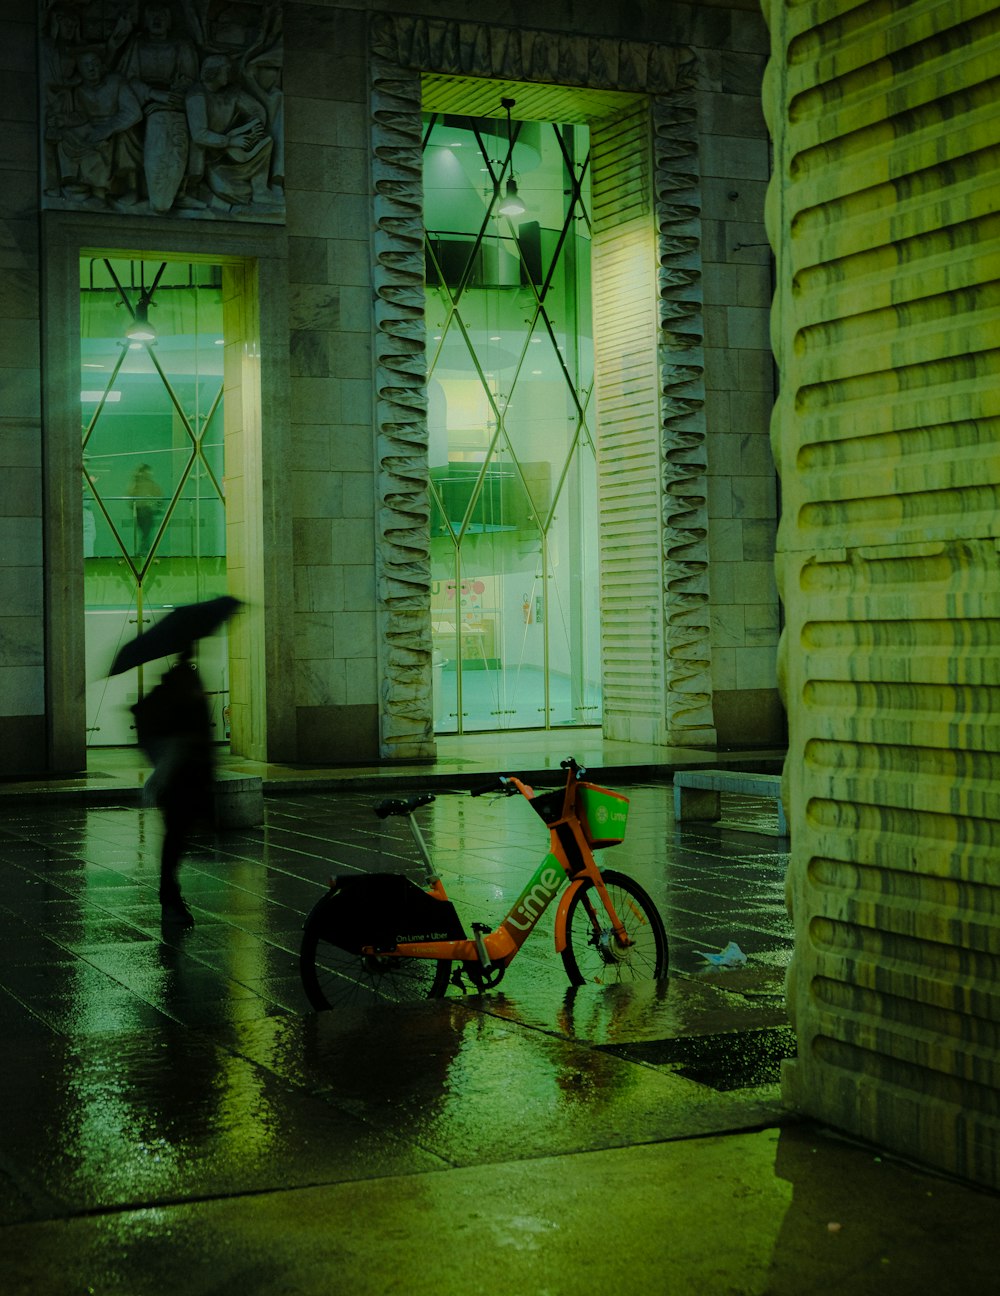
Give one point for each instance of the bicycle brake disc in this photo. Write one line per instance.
(612, 950)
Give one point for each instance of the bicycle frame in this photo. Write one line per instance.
(570, 859)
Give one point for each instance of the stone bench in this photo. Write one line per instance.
(697, 793)
(239, 800)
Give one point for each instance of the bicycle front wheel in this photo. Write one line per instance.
(335, 978)
(594, 955)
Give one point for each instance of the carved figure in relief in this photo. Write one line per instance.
(230, 147)
(152, 52)
(89, 127)
(262, 77)
(161, 66)
(59, 43)
(260, 72)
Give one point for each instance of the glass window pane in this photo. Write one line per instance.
(513, 476)
(152, 427)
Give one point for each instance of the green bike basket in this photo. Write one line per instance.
(603, 814)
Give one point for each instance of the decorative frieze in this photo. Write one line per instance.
(459, 48)
(164, 110)
(403, 503)
(684, 459)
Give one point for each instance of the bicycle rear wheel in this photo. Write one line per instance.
(335, 978)
(594, 956)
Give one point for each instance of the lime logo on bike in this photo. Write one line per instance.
(536, 895)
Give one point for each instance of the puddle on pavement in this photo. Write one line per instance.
(723, 1062)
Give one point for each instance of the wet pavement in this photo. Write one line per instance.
(177, 1116)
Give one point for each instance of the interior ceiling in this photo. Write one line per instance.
(476, 97)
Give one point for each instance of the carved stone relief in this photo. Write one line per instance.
(170, 109)
(684, 456)
(403, 563)
(403, 47)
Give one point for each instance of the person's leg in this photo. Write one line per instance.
(174, 836)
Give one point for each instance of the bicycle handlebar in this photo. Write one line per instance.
(498, 783)
(395, 806)
(502, 782)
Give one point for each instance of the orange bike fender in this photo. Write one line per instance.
(564, 901)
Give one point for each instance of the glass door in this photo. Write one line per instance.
(512, 462)
(153, 501)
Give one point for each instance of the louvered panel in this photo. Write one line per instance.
(480, 97)
(628, 516)
(628, 452)
(630, 460)
(887, 434)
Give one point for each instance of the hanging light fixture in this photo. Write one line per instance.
(140, 330)
(510, 204)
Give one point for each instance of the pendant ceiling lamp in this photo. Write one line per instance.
(140, 329)
(510, 204)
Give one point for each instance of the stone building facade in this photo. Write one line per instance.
(882, 216)
(301, 187)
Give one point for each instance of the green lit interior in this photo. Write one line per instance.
(512, 460)
(154, 538)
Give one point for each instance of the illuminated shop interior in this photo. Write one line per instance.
(151, 403)
(512, 458)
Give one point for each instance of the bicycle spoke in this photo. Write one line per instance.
(334, 978)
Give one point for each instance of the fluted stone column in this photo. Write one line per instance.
(882, 214)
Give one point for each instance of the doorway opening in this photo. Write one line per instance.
(154, 528)
(513, 469)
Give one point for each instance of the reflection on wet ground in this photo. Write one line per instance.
(81, 890)
(84, 953)
(730, 1061)
(152, 1065)
(177, 1118)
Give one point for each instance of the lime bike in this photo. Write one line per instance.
(383, 934)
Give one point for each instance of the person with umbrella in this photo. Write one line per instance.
(173, 725)
(183, 780)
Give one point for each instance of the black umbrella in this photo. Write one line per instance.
(177, 631)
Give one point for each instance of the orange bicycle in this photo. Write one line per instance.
(382, 934)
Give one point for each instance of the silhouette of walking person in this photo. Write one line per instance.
(174, 726)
